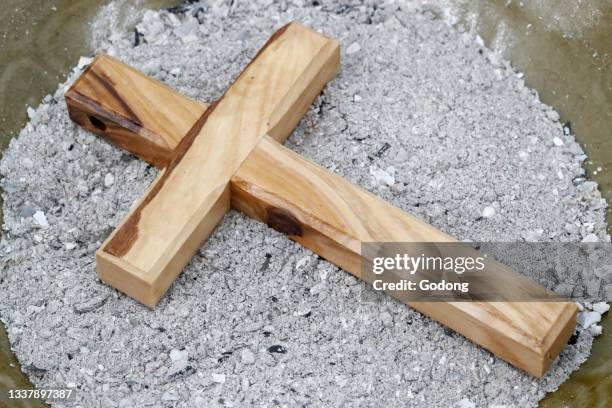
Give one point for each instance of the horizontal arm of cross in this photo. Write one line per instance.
(269, 182)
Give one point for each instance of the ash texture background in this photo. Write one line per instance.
(420, 114)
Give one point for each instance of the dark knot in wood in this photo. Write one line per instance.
(283, 221)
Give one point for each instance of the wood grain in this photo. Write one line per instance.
(190, 195)
(131, 110)
(333, 218)
(289, 193)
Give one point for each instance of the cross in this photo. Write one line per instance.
(230, 154)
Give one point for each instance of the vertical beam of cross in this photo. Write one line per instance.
(311, 205)
(155, 241)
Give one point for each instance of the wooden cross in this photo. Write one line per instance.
(228, 154)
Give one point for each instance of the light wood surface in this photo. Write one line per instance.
(131, 110)
(333, 218)
(190, 196)
(312, 206)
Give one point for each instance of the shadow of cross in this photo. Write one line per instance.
(228, 154)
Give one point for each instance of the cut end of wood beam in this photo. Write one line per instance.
(126, 278)
(292, 107)
(126, 107)
(558, 336)
(529, 341)
(147, 274)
